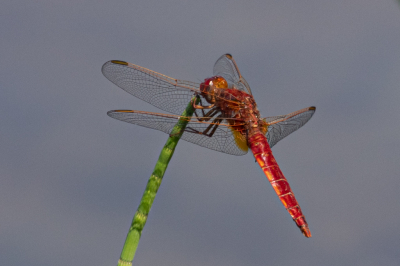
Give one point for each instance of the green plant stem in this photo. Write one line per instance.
(140, 218)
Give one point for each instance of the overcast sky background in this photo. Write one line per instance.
(72, 177)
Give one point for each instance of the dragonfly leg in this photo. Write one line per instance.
(207, 116)
(216, 125)
(201, 106)
(213, 127)
(195, 106)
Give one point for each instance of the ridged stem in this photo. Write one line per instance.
(142, 212)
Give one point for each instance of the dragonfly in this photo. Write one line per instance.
(225, 119)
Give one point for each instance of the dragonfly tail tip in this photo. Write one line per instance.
(306, 232)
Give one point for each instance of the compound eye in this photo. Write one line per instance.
(220, 83)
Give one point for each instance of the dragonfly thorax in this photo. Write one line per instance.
(232, 103)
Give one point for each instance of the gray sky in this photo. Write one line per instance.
(72, 178)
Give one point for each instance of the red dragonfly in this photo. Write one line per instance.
(226, 117)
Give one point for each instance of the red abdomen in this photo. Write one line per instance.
(263, 154)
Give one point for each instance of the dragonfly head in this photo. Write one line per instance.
(212, 87)
(219, 82)
(215, 82)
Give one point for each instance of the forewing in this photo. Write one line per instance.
(223, 139)
(171, 95)
(281, 126)
(227, 68)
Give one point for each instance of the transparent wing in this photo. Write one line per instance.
(222, 140)
(171, 95)
(281, 126)
(226, 67)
